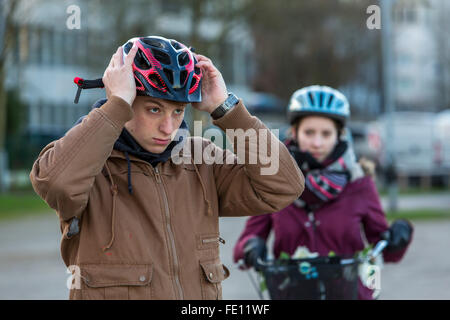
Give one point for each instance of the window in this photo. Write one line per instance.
(404, 83)
(58, 48)
(398, 15)
(35, 45)
(46, 46)
(22, 45)
(170, 6)
(69, 48)
(410, 15)
(404, 59)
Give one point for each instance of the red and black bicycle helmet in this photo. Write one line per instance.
(165, 68)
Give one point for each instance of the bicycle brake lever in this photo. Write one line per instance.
(379, 247)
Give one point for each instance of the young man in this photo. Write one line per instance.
(135, 224)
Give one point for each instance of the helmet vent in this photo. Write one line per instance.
(193, 83)
(169, 75)
(153, 42)
(156, 81)
(175, 44)
(311, 99)
(183, 76)
(330, 101)
(138, 84)
(128, 47)
(161, 56)
(183, 59)
(321, 99)
(141, 61)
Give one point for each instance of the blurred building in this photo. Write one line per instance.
(45, 58)
(418, 64)
(47, 55)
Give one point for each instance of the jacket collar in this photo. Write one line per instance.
(167, 168)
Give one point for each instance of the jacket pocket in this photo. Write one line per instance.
(116, 281)
(212, 275)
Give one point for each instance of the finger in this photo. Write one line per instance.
(105, 74)
(204, 62)
(118, 57)
(113, 58)
(111, 63)
(130, 57)
(206, 66)
(202, 58)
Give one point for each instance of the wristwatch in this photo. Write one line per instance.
(228, 104)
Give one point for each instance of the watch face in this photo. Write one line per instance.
(231, 101)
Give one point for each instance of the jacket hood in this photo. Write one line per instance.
(128, 145)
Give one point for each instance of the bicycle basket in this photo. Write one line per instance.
(322, 278)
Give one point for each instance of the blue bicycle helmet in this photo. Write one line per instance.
(318, 100)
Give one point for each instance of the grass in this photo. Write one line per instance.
(419, 214)
(18, 205)
(416, 191)
(26, 203)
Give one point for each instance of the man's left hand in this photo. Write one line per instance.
(214, 90)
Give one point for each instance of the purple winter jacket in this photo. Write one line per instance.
(337, 226)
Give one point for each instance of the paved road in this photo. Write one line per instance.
(30, 263)
(424, 273)
(421, 201)
(31, 267)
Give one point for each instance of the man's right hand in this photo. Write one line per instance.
(118, 77)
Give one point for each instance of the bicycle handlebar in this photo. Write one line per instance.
(374, 253)
(323, 270)
(379, 247)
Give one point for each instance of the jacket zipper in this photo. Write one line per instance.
(216, 239)
(312, 220)
(170, 233)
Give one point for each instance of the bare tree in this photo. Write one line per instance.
(225, 14)
(7, 32)
(442, 34)
(301, 43)
(121, 20)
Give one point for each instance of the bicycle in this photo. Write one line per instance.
(320, 278)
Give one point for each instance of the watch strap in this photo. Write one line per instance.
(228, 104)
